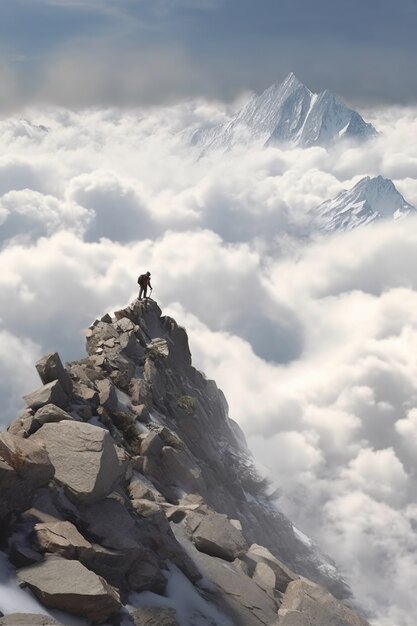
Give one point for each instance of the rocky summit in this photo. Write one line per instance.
(129, 497)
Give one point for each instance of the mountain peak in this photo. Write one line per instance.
(289, 113)
(369, 200)
(126, 474)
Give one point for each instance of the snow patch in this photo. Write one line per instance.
(191, 608)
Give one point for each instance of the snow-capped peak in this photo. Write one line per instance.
(288, 113)
(369, 200)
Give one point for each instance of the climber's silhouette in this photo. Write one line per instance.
(144, 282)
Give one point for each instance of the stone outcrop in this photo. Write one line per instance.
(84, 458)
(307, 604)
(50, 368)
(69, 586)
(214, 534)
(124, 468)
(24, 467)
(51, 393)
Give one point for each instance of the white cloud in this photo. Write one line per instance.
(313, 343)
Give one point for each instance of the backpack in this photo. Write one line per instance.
(142, 280)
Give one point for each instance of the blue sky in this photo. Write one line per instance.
(78, 49)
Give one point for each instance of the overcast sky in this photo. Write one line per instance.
(83, 52)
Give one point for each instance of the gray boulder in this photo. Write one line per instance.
(61, 538)
(84, 457)
(50, 368)
(24, 467)
(308, 604)
(29, 422)
(51, 393)
(151, 616)
(111, 564)
(213, 534)
(107, 395)
(260, 555)
(110, 522)
(50, 413)
(69, 586)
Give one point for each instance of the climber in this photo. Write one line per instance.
(144, 281)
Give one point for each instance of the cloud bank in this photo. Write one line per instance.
(313, 342)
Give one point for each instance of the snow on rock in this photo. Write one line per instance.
(288, 113)
(369, 200)
(190, 607)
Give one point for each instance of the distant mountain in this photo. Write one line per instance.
(369, 200)
(23, 128)
(288, 113)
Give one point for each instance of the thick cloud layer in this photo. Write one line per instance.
(313, 342)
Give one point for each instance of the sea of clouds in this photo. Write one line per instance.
(314, 341)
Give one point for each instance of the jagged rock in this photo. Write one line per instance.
(173, 468)
(21, 425)
(237, 595)
(141, 412)
(146, 507)
(283, 575)
(139, 490)
(107, 395)
(86, 394)
(156, 533)
(106, 319)
(308, 604)
(122, 371)
(152, 445)
(151, 616)
(180, 468)
(159, 347)
(130, 346)
(84, 458)
(101, 332)
(125, 325)
(264, 576)
(111, 523)
(61, 538)
(112, 565)
(216, 536)
(49, 413)
(24, 467)
(28, 619)
(29, 421)
(140, 392)
(84, 372)
(50, 368)
(145, 575)
(69, 586)
(51, 393)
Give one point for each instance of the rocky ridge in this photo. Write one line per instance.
(124, 486)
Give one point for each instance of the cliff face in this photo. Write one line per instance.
(128, 496)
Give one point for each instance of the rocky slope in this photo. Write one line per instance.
(288, 113)
(371, 199)
(128, 496)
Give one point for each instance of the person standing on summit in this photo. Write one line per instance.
(144, 282)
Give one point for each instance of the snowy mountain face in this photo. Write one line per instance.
(369, 200)
(289, 114)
